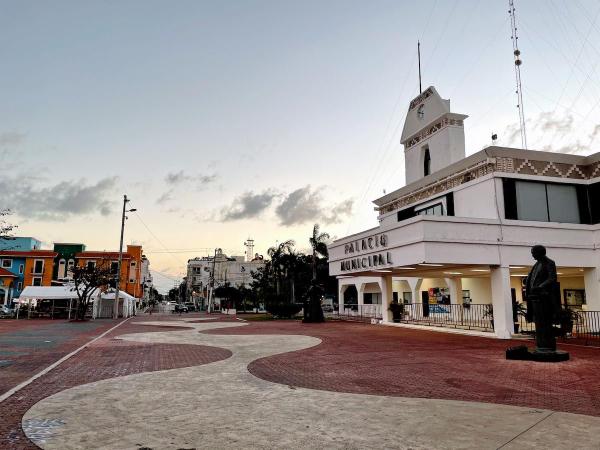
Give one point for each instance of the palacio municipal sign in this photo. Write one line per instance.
(360, 247)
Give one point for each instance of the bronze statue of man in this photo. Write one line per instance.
(540, 291)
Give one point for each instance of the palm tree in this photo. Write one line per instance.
(318, 242)
(277, 258)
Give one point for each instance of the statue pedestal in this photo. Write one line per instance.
(522, 353)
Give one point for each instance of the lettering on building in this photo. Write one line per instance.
(367, 262)
(366, 244)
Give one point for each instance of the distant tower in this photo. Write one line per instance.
(249, 249)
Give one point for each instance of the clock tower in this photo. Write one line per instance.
(433, 137)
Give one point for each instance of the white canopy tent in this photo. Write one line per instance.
(102, 303)
(33, 294)
(104, 307)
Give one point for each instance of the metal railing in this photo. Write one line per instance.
(586, 326)
(358, 313)
(468, 316)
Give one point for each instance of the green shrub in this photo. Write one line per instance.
(283, 310)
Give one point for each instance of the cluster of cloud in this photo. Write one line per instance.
(56, 202)
(249, 205)
(550, 126)
(183, 179)
(11, 138)
(177, 178)
(303, 205)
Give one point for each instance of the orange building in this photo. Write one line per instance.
(130, 277)
(35, 266)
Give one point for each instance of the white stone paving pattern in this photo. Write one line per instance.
(222, 406)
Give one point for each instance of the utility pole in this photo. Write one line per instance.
(212, 282)
(116, 307)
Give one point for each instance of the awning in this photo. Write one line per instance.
(47, 292)
(122, 295)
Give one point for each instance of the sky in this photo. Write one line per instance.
(224, 120)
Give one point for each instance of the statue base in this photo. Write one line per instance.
(522, 353)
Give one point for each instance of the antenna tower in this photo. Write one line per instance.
(518, 62)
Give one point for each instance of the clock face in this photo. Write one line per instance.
(421, 112)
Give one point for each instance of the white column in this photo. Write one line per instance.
(415, 287)
(455, 286)
(591, 278)
(360, 299)
(385, 284)
(6, 295)
(341, 289)
(502, 302)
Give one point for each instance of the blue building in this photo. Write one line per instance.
(12, 265)
(20, 243)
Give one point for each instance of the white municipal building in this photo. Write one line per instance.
(459, 234)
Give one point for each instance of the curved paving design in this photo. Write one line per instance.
(106, 358)
(221, 405)
(392, 361)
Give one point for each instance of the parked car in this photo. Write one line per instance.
(190, 306)
(6, 312)
(180, 307)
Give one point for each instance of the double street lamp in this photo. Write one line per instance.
(123, 217)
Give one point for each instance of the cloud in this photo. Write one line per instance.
(595, 132)
(11, 138)
(306, 205)
(248, 205)
(64, 199)
(577, 147)
(177, 178)
(547, 121)
(165, 197)
(513, 131)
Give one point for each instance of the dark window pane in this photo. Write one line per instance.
(562, 203)
(531, 201)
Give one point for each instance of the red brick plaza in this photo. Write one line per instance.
(352, 357)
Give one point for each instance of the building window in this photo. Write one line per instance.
(21, 269)
(440, 206)
(19, 286)
(61, 268)
(407, 298)
(37, 281)
(91, 265)
(114, 267)
(542, 202)
(426, 162)
(7, 263)
(131, 280)
(433, 210)
(38, 266)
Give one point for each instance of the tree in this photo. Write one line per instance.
(313, 312)
(277, 260)
(89, 280)
(5, 227)
(318, 243)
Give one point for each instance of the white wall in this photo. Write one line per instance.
(477, 200)
(481, 289)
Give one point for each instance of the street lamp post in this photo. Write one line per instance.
(118, 283)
